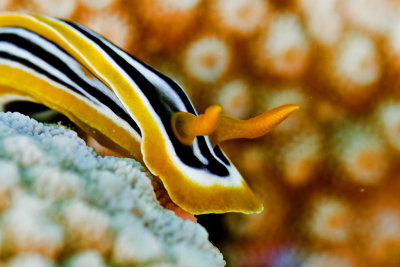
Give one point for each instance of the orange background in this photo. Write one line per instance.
(328, 176)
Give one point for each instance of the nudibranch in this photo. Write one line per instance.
(129, 107)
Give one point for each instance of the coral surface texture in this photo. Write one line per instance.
(61, 204)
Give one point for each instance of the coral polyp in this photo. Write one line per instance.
(207, 59)
(283, 49)
(240, 16)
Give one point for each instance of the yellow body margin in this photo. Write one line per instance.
(189, 195)
(21, 83)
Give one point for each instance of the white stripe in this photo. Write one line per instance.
(102, 109)
(96, 72)
(171, 94)
(10, 97)
(70, 61)
(199, 176)
(24, 54)
(197, 152)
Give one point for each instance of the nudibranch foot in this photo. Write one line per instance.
(231, 128)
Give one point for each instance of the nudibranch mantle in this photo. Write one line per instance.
(128, 106)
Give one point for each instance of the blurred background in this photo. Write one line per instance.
(329, 175)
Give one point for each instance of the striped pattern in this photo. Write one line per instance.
(122, 102)
(165, 97)
(20, 46)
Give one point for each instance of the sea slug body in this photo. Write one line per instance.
(130, 108)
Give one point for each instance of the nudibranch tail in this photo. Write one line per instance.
(231, 128)
(187, 126)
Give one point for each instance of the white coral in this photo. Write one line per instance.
(61, 203)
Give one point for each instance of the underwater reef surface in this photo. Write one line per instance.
(329, 175)
(61, 204)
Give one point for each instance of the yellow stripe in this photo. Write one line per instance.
(56, 98)
(182, 190)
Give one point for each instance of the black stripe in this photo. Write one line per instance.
(162, 108)
(58, 64)
(30, 65)
(220, 155)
